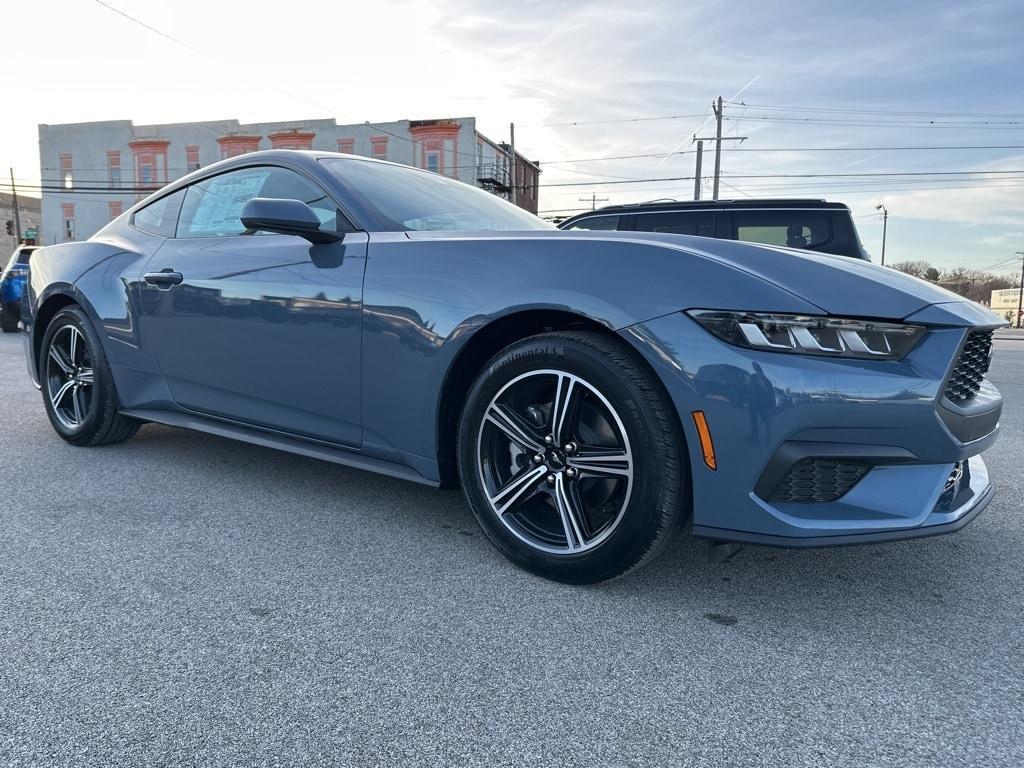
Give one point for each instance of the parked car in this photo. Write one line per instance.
(589, 391)
(814, 225)
(12, 286)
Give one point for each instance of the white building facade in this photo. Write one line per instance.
(92, 172)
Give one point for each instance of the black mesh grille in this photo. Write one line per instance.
(971, 367)
(814, 479)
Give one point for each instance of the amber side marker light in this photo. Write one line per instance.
(706, 446)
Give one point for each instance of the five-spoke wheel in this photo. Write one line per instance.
(78, 386)
(69, 377)
(571, 457)
(555, 460)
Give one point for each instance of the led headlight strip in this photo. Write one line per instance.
(810, 335)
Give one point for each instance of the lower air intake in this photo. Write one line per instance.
(818, 480)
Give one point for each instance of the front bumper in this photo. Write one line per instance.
(764, 410)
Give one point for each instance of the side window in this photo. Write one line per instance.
(700, 223)
(213, 207)
(597, 223)
(160, 216)
(795, 229)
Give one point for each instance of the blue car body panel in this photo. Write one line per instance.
(345, 350)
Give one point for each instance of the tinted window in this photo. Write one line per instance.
(25, 255)
(213, 207)
(795, 229)
(160, 216)
(410, 199)
(678, 222)
(596, 223)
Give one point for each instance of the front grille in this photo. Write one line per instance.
(971, 367)
(816, 479)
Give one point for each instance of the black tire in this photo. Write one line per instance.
(656, 498)
(9, 317)
(100, 422)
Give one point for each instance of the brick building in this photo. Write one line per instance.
(90, 164)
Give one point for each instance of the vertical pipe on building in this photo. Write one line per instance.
(512, 161)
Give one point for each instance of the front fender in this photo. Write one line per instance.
(426, 294)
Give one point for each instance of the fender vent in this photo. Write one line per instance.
(818, 480)
(971, 367)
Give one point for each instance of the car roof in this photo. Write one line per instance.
(676, 205)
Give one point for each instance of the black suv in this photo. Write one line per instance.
(814, 225)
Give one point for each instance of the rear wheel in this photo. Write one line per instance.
(77, 384)
(571, 457)
(9, 318)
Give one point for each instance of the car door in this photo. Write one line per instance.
(259, 328)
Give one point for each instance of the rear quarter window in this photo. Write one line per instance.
(161, 216)
(789, 228)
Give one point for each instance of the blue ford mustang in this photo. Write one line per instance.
(589, 390)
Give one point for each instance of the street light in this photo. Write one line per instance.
(885, 222)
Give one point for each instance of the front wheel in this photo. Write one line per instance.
(571, 457)
(77, 383)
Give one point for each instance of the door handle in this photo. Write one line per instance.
(163, 279)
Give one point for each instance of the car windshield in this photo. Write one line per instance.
(412, 199)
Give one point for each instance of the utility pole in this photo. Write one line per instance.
(14, 202)
(593, 200)
(718, 138)
(718, 146)
(696, 172)
(512, 160)
(885, 224)
(1020, 296)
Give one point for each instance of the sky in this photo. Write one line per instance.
(581, 81)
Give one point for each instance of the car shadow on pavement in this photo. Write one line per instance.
(408, 522)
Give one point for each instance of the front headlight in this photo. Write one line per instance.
(810, 335)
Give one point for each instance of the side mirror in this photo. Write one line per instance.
(286, 217)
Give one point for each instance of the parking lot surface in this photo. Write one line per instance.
(183, 599)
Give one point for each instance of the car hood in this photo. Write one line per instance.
(839, 285)
(834, 285)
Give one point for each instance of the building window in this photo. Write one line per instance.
(433, 161)
(150, 163)
(65, 171)
(147, 169)
(68, 215)
(347, 146)
(192, 158)
(292, 139)
(116, 208)
(114, 168)
(235, 145)
(379, 145)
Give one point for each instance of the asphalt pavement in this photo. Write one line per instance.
(185, 600)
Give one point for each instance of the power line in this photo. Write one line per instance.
(973, 125)
(781, 189)
(779, 107)
(607, 122)
(860, 174)
(790, 149)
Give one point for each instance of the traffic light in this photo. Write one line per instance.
(10, 227)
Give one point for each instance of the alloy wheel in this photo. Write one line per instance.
(555, 462)
(69, 377)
